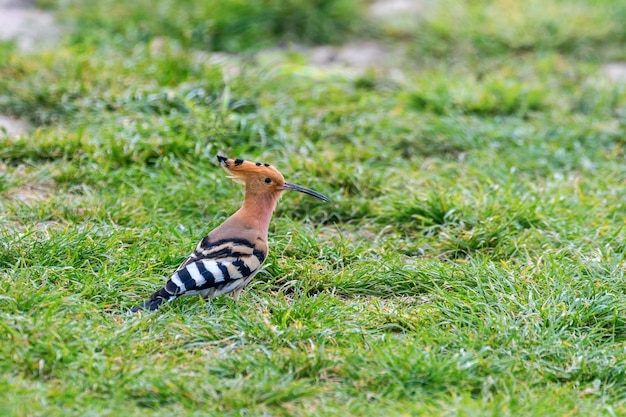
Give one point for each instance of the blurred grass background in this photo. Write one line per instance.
(472, 260)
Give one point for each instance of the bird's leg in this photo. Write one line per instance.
(237, 293)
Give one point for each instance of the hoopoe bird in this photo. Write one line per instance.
(227, 259)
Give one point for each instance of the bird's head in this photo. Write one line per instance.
(261, 178)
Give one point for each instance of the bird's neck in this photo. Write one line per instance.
(256, 211)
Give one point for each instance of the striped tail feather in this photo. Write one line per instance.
(167, 293)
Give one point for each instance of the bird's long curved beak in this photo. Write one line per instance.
(299, 188)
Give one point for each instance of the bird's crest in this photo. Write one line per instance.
(240, 170)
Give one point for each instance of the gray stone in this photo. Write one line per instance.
(31, 28)
(615, 71)
(387, 8)
(11, 126)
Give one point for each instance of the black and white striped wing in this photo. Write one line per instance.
(223, 250)
(213, 269)
(210, 278)
(219, 267)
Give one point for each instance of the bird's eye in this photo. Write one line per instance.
(268, 180)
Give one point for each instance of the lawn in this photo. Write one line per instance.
(472, 261)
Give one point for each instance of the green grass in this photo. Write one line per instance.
(232, 25)
(479, 29)
(472, 261)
